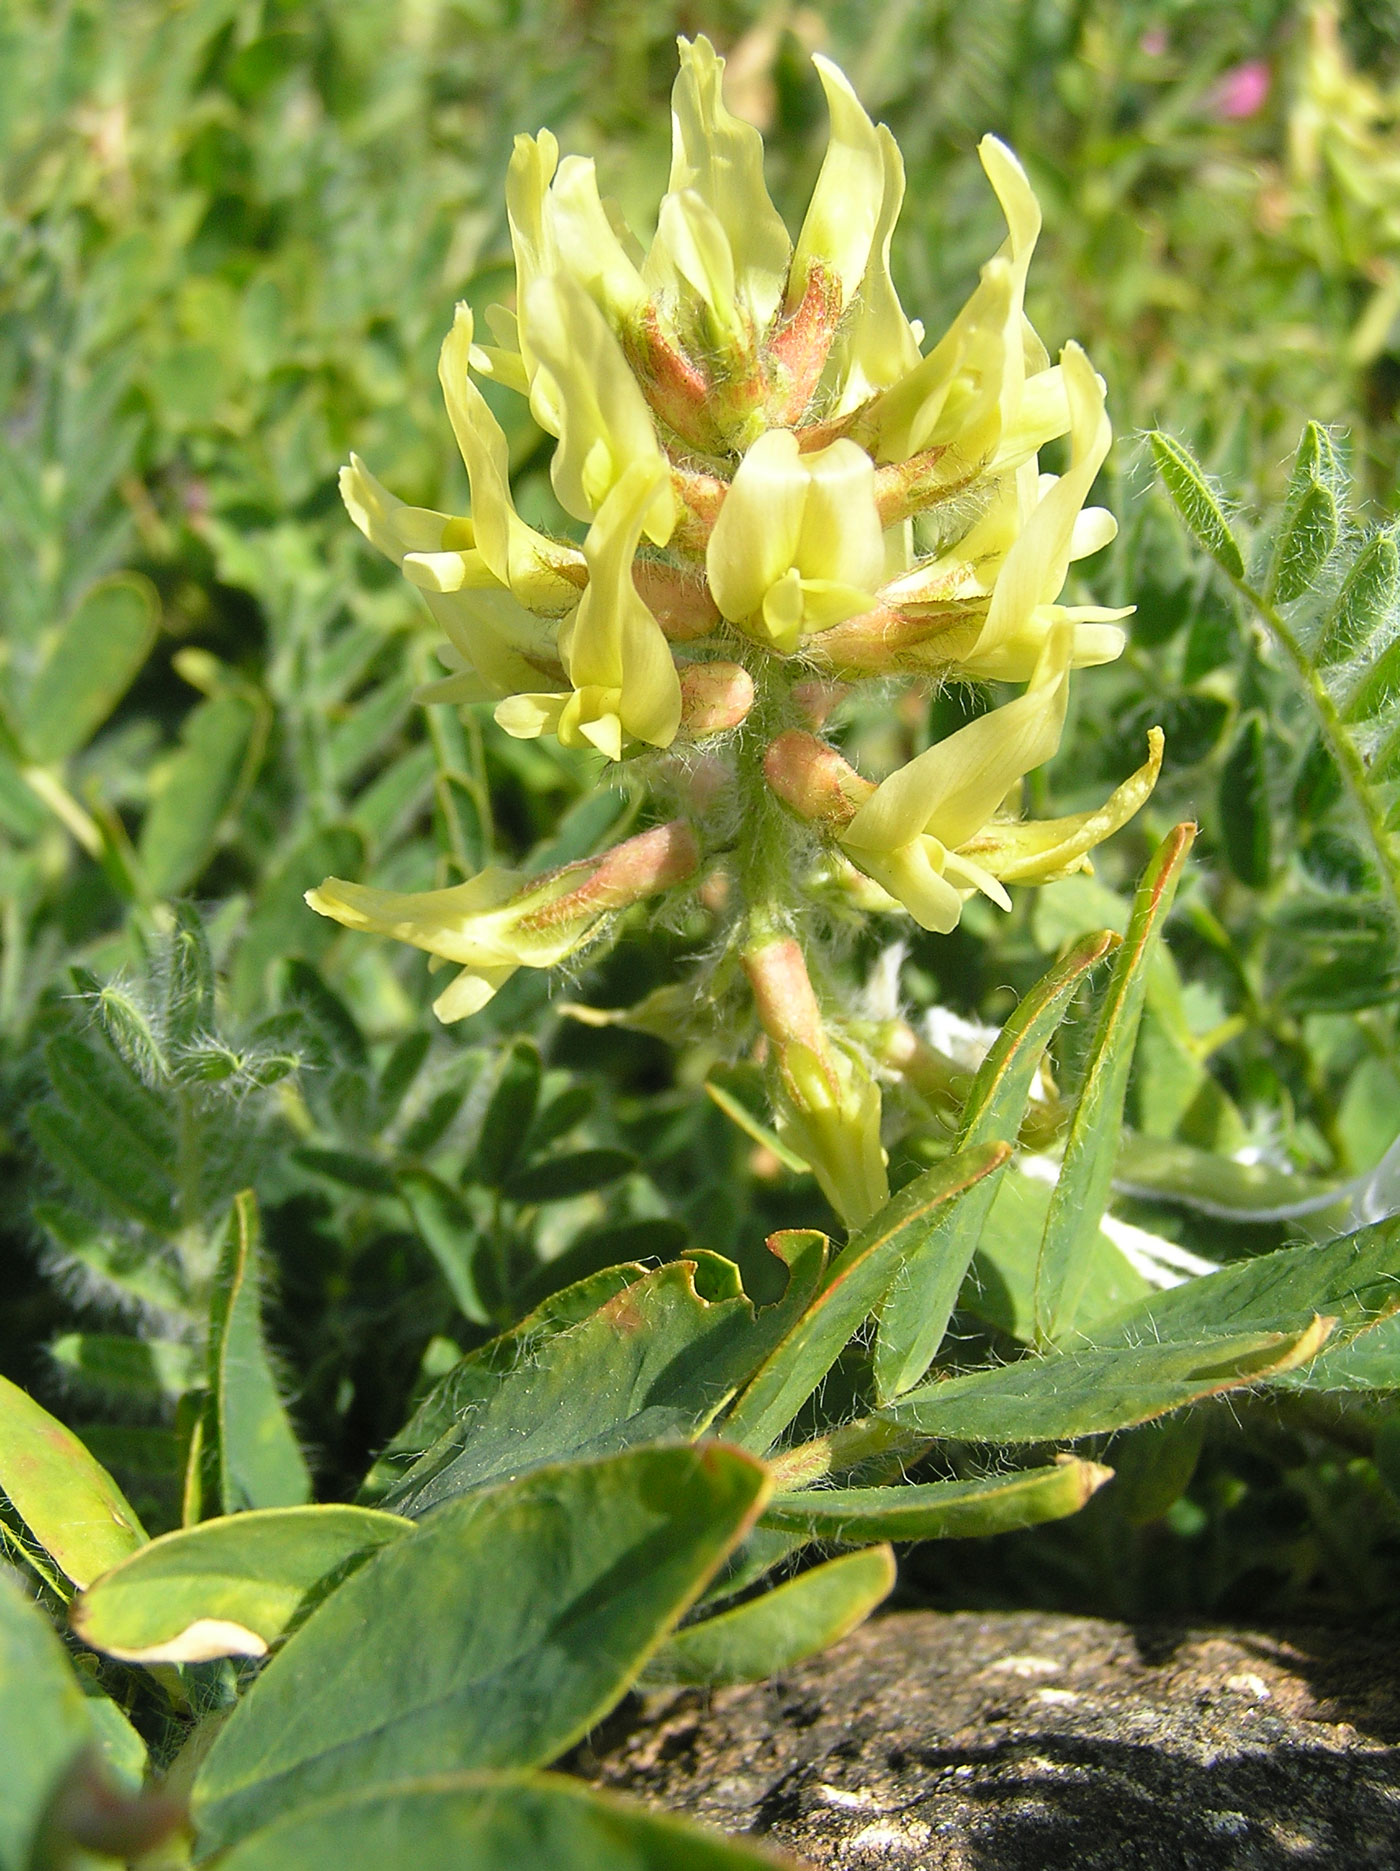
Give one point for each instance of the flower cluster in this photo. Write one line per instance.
(781, 493)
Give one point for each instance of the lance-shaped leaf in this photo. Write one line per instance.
(259, 1462)
(939, 1510)
(1311, 519)
(228, 1588)
(1185, 480)
(494, 1635)
(477, 1376)
(920, 1302)
(90, 666)
(63, 1495)
(505, 1123)
(657, 1361)
(1086, 1172)
(492, 1822)
(858, 1280)
(1366, 600)
(778, 1628)
(1082, 1393)
(1354, 1281)
(44, 1723)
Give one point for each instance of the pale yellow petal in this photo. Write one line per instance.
(841, 221)
(755, 539)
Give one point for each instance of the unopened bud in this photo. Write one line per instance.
(813, 780)
(714, 696)
(827, 1102)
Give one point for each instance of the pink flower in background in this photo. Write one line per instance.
(1154, 41)
(1243, 91)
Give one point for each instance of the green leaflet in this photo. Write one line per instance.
(780, 1627)
(44, 1722)
(1000, 1287)
(491, 1822)
(90, 666)
(1354, 1282)
(920, 1302)
(220, 745)
(259, 1462)
(939, 1510)
(1086, 1170)
(68, 1501)
(493, 1635)
(1311, 519)
(226, 1588)
(657, 1360)
(857, 1281)
(1067, 1394)
(1185, 480)
(1368, 1363)
(475, 1379)
(505, 1123)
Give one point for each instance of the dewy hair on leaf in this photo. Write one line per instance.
(783, 492)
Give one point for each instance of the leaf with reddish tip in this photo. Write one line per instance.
(64, 1495)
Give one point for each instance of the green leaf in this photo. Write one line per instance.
(1067, 1394)
(108, 1132)
(779, 1628)
(44, 1723)
(1370, 1362)
(348, 1169)
(1153, 1465)
(491, 1822)
(920, 1302)
(1185, 480)
(494, 1635)
(1366, 601)
(556, 1178)
(67, 1500)
(856, 1282)
(219, 746)
(1000, 1288)
(1311, 521)
(227, 1588)
(476, 1377)
(508, 1116)
(187, 977)
(1246, 818)
(90, 666)
(659, 1360)
(938, 1510)
(1354, 1281)
(145, 1370)
(1086, 1171)
(739, 1094)
(260, 1464)
(448, 1232)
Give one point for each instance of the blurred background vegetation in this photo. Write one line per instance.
(231, 236)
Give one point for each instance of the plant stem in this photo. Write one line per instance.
(1339, 743)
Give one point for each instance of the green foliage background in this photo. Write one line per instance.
(231, 235)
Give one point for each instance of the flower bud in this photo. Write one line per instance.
(827, 1102)
(714, 696)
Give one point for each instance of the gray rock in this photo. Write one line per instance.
(1032, 1742)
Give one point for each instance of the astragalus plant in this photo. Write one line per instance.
(784, 496)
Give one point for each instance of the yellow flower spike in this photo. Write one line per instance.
(845, 211)
(591, 402)
(798, 544)
(909, 834)
(501, 920)
(827, 1102)
(1023, 608)
(625, 685)
(720, 159)
(542, 573)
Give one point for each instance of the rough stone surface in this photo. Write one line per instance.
(970, 1742)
